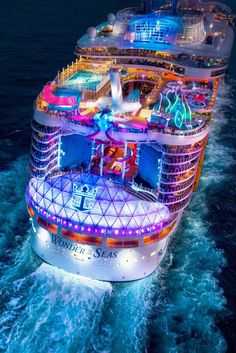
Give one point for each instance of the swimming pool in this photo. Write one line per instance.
(85, 80)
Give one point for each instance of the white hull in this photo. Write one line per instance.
(100, 263)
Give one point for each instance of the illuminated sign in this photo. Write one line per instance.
(83, 197)
(82, 250)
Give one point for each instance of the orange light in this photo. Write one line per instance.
(30, 211)
(113, 243)
(52, 228)
(158, 236)
(79, 238)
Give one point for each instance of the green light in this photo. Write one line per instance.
(179, 119)
(180, 109)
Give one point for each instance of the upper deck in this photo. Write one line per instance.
(199, 34)
(109, 101)
(146, 75)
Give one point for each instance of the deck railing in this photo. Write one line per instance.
(168, 188)
(43, 156)
(42, 147)
(167, 179)
(179, 160)
(179, 168)
(197, 61)
(169, 199)
(45, 138)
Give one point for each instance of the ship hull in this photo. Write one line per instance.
(100, 263)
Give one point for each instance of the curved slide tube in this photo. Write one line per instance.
(91, 136)
(98, 152)
(116, 142)
(128, 157)
(50, 98)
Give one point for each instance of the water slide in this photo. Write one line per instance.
(116, 142)
(91, 136)
(50, 98)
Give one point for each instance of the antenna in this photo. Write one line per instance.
(147, 5)
(174, 6)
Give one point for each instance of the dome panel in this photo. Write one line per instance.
(93, 201)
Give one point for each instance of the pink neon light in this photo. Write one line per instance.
(48, 97)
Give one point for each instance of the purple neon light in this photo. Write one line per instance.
(102, 230)
(41, 193)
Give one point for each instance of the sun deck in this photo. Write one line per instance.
(163, 31)
(165, 102)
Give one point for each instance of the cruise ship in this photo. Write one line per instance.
(119, 137)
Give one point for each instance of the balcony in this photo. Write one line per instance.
(169, 160)
(182, 150)
(43, 165)
(46, 139)
(40, 156)
(169, 189)
(166, 179)
(42, 147)
(170, 199)
(44, 129)
(176, 208)
(176, 170)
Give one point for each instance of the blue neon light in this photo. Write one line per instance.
(154, 28)
(104, 119)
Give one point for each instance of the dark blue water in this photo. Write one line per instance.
(188, 305)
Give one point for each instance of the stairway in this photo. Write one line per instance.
(142, 195)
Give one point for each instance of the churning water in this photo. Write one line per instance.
(186, 305)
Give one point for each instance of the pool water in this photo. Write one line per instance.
(83, 79)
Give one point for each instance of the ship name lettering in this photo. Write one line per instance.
(104, 253)
(72, 247)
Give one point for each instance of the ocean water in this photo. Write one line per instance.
(188, 304)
